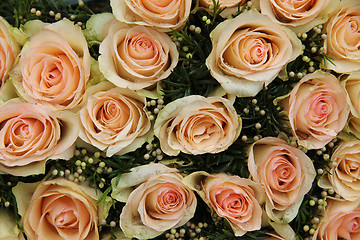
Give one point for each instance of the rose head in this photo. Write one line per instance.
(343, 38)
(156, 200)
(61, 209)
(31, 134)
(285, 172)
(232, 197)
(54, 66)
(114, 119)
(163, 15)
(136, 57)
(317, 109)
(197, 125)
(249, 51)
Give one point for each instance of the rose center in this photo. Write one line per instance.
(66, 219)
(141, 47)
(257, 51)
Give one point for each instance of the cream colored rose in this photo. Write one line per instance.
(164, 15)
(343, 39)
(54, 66)
(60, 209)
(234, 198)
(156, 200)
(31, 134)
(249, 51)
(9, 49)
(114, 119)
(351, 84)
(317, 109)
(345, 176)
(300, 16)
(285, 172)
(197, 125)
(136, 57)
(341, 221)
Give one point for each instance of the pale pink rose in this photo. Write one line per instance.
(317, 109)
(344, 176)
(351, 84)
(285, 172)
(341, 221)
(61, 209)
(114, 119)
(54, 66)
(234, 198)
(31, 134)
(156, 200)
(343, 39)
(249, 51)
(164, 15)
(9, 49)
(197, 125)
(136, 57)
(300, 16)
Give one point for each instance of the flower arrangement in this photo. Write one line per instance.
(180, 119)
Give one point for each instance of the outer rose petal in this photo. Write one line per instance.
(159, 203)
(9, 50)
(60, 209)
(300, 16)
(340, 221)
(343, 38)
(41, 135)
(54, 67)
(271, 162)
(230, 6)
(114, 119)
(136, 57)
(221, 190)
(351, 84)
(317, 109)
(163, 15)
(8, 226)
(197, 125)
(269, 48)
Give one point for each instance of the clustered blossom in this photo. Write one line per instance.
(66, 98)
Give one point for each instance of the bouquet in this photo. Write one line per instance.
(180, 119)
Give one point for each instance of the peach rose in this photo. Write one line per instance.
(249, 51)
(341, 221)
(156, 200)
(351, 84)
(229, 6)
(164, 15)
(343, 40)
(31, 134)
(114, 119)
(285, 172)
(197, 125)
(231, 197)
(300, 16)
(54, 65)
(9, 49)
(345, 176)
(59, 209)
(136, 57)
(317, 109)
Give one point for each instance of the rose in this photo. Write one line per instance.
(300, 16)
(341, 221)
(351, 83)
(54, 65)
(160, 200)
(317, 109)
(228, 6)
(136, 57)
(249, 51)
(344, 176)
(285, 172)
(31, 134)
(342, 41)
(59, 209)
(9, 50)
(114, 119)
(163, 15)
(197, 125)
(232, 197)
